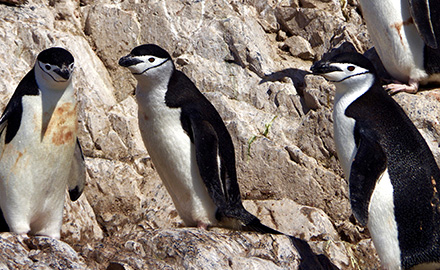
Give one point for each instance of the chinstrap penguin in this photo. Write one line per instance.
(188, 142)
(192, 150)
(392, 175)
(406, 35)
(40, 154)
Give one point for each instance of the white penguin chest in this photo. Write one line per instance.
(162, 133)
(48, 125)
(45, 136)
(344, 136)
(174, 157)
(168, 144)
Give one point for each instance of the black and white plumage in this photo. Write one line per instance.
(188, 143)
(392, 175)
(406, 35)
(40, 156)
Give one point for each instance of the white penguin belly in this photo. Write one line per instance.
(382, 224)
(395, 37)
(173, 155)
(34, 168)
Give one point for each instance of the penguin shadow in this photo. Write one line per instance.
(298, 79)
(296, 75)
(310, 260)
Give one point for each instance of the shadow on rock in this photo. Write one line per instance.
(297, 76)
(309, 260)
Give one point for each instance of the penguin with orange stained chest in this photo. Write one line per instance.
(40, 154)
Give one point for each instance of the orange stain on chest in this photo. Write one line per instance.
(398, 26)
(20, 154)
(62, 124)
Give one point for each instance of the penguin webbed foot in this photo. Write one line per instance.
(394, 88)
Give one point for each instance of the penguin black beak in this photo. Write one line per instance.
(323, 67)
(128, 60)
(64, 72)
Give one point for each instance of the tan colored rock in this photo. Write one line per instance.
(278, 116)
(37, 253)
(300, 47)
(308, 223)
(196, 249)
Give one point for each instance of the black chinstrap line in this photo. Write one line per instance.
(366, 72)
(150, 68)
(50, 75)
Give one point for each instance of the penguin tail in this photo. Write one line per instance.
(238, 218)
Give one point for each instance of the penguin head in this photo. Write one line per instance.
(54, 68)
(346, 70)
(149, 63)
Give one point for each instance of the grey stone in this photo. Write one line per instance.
(279, 117)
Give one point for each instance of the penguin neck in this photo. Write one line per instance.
(346, 93)
(153, 88)
(154, 77)
(349, 90)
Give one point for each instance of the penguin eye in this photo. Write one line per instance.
(350, 68)
(71, 66)
(151, 59)
(47, 67)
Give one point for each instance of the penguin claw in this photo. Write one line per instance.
(394, 88)
(202, 225)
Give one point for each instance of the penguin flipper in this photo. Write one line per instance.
(77, 175)
(426, 18)
(11, 117)
(207, 155)
(367, 167)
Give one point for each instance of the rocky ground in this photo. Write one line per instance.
(251, 58)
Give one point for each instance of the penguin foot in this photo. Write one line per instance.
(202, 225)
(23, 236)
(411, 87)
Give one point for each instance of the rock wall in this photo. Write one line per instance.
(251, 58)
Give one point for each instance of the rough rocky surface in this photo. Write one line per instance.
(251, 59)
